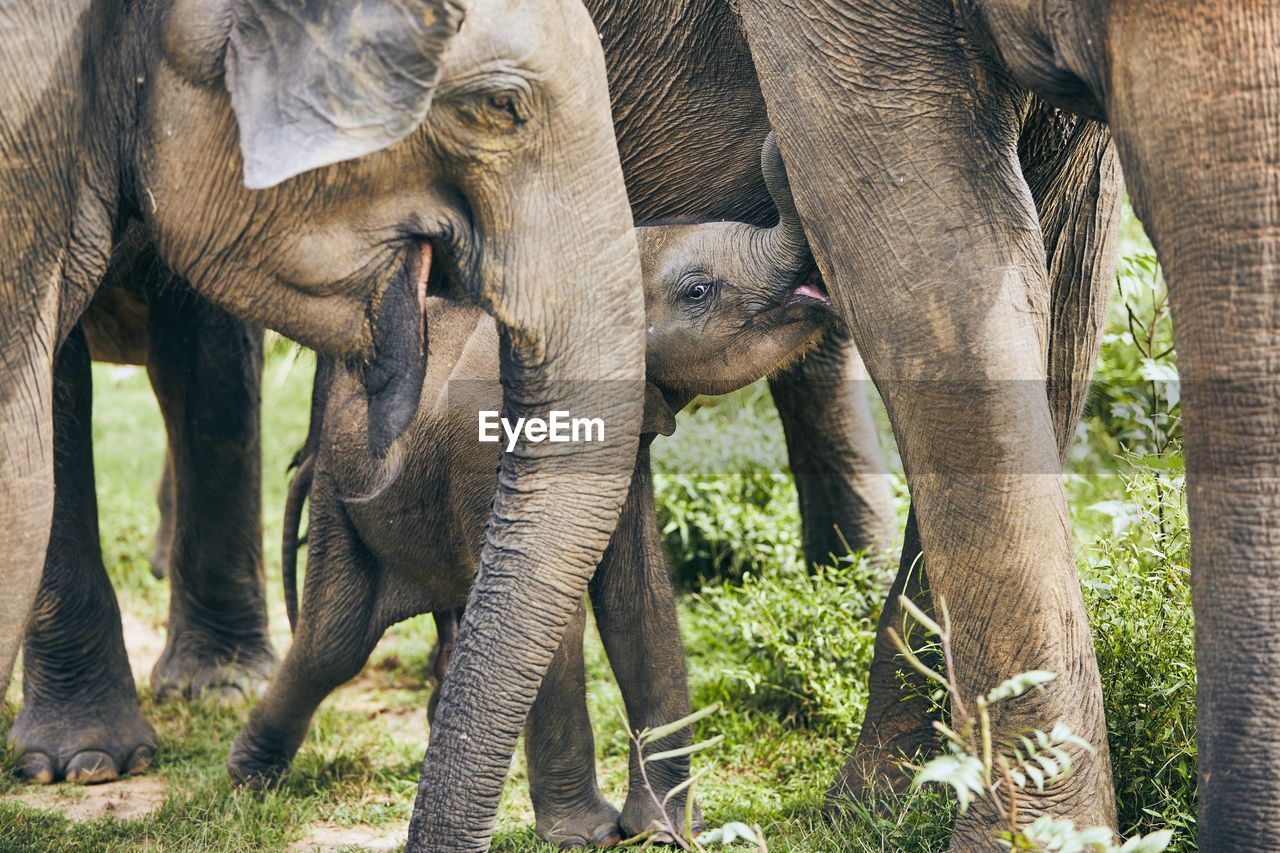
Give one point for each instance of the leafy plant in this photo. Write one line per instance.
(975, 768)
(683, 836)
(799, 643)
(1137, 588)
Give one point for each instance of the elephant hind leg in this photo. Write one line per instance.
(898, 724)
(80, 719)
(206, 367)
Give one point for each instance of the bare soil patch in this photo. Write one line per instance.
(125, 799)
(325, 837)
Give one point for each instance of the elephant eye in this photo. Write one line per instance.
(698, 291)
(505, 104)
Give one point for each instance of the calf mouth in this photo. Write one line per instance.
(806, 295)
(807, 299)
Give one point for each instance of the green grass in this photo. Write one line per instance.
(783, 650)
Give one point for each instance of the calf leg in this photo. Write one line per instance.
(561, 754)
(636, 613)
(206, 369)
(447, 622)
(337, 630)
(79, 718)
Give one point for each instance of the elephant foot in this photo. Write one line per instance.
(877, 764)
(590, 824)
(194, 666)
(256, 762)
(88, 740)
(641, 813)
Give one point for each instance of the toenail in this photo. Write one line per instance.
(91, 767)
(36, 767)
(140, 760)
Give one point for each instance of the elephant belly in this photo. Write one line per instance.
(688, 112)
(116, 326)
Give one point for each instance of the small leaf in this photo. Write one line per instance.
(962, 772)
(1154, 842)
(1036, 776)
(728, 834)
(1019, 684)
(684, 750)
(648, 736)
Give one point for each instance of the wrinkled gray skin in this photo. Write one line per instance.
(903, 125)
(725, 303)
(981, 249)
(79, 717)
(491, 176)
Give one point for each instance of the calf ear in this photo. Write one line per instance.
(658, 417)
(314, 83)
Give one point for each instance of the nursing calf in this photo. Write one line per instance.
(726, 303)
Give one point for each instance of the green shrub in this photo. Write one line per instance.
(1137, 587)
(797, 644)
(726, 501)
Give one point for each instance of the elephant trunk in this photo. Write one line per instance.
(1195, 109)
(785, 243)
(569, 304)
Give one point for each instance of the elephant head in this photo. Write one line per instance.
(728, 302)
(388, 149)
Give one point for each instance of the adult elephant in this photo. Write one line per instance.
(370, 169)
(901, 122)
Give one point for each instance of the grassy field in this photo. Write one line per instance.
(784, 651)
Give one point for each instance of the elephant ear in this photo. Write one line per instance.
(315, 82)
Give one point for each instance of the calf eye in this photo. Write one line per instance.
(697, 291)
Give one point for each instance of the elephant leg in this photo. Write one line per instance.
(336, 632)
(1070, 167)
(447, 622)
(898, 724)
(26, 471)
(80, 718)
(163, 544)
(948, 300)
(636, 614)
(561, 754)
(206, 369)
(845, 499)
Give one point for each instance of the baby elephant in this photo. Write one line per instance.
(726, 303)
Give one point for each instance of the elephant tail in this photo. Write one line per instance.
(300, 488)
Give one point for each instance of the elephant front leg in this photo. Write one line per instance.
(846, 503)
(912, 195)
(335, 635)
(79, 719)
(1071, 170)
(561, 754)
(636, 613)
(206, 370)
